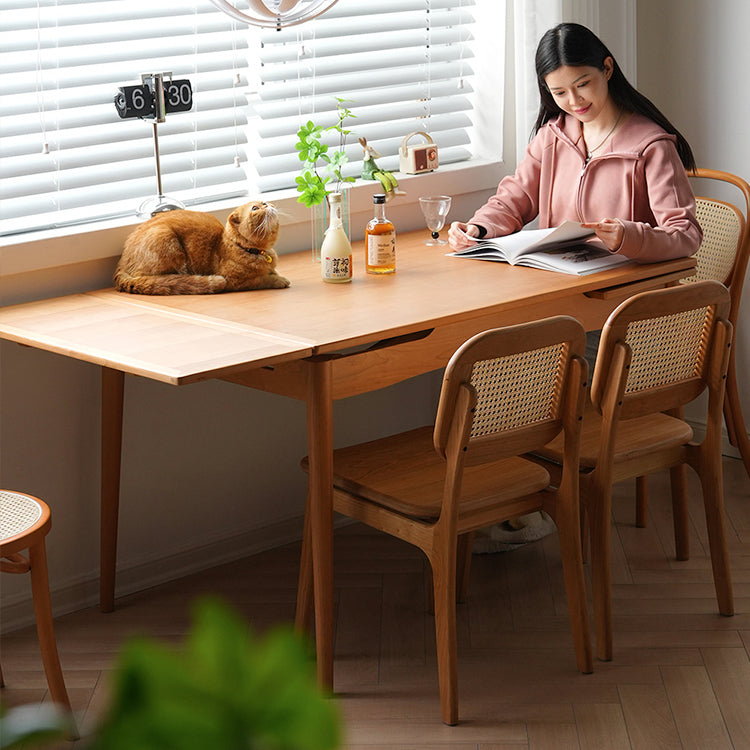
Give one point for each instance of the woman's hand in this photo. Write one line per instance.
(609, 231)
(460, 233)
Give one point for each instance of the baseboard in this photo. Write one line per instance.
(18, 612)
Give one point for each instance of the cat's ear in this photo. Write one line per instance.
(235, 218)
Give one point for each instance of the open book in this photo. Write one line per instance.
(560, 248)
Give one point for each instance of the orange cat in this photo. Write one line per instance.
(188, 252)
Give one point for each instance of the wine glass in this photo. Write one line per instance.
(434, 209)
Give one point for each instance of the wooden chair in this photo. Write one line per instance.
(504, 392)
(723, 256)
(24, 523)
(659, 351)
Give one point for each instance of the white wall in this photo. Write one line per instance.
(693, 62)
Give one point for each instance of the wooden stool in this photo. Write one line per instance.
(24, 522)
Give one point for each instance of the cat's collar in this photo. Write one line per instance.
(255, 251)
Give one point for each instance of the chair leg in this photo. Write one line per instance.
(303, 620)
(568, 528)
(733, 416)
(641, 502)
(444, 592)
(585, 535)
(429, 587)
(45, 629)
(680, 516)
(600, 518)
(463, 557)
(713, 500)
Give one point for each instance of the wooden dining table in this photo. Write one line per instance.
(316, 342)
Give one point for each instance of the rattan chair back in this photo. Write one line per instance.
(722, 224)
(724, 252)
(517, 376)
(661, 344)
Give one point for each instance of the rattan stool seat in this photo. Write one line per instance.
(18, 513)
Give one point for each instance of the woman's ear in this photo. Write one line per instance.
(609, 66)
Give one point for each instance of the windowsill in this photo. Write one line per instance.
(48, 249)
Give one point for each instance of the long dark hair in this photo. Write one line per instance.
(575, 45)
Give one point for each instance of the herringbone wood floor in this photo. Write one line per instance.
(680, 677)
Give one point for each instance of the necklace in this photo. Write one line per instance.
(590, 151)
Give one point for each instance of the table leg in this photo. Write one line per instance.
(113, 382)
(303, 619)
(320, 451)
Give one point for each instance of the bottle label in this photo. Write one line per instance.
(337, 267)
(381, 249)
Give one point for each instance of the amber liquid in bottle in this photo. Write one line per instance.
(380, 240)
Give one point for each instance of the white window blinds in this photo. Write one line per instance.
(403, 65)
(65, 154)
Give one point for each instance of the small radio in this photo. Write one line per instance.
(420, 158)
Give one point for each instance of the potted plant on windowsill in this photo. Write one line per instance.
(322, 170)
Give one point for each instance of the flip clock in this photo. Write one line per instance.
(154, 97)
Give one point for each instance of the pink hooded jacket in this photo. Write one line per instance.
(637, 178)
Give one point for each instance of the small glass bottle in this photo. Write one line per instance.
(380, 240)
(336, 250)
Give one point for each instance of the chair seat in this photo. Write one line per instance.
(404, 473)
(18, 514)
(636, 438)
(23, 520)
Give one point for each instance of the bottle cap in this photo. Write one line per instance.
(378, 198)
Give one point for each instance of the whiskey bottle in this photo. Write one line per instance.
(380, 240)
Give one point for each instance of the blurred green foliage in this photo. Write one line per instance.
(224, 689)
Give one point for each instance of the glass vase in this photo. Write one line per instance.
(321, 217)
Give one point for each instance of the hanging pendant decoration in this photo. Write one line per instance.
(275, 13)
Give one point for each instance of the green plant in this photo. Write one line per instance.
(320, 164)
(223, 690)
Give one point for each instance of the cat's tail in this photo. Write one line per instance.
(171, 283)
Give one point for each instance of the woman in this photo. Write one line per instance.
(602, 154)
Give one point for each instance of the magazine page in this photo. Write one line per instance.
(513, 246)
(579, 260)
